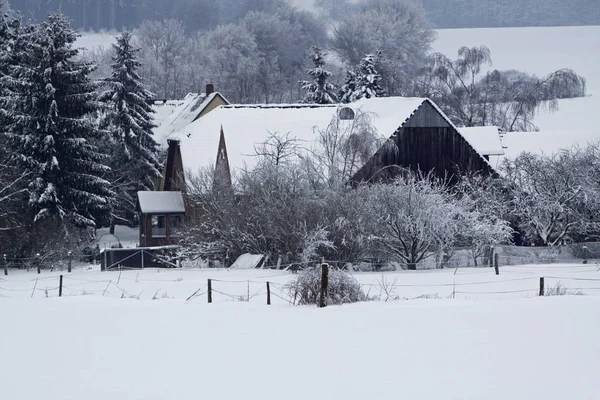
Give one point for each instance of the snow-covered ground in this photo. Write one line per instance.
(90, 347)
(95, 40)
(514, 282)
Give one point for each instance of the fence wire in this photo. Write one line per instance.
(83, 282)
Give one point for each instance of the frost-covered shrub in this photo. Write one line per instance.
(560, 290)
(342, 287)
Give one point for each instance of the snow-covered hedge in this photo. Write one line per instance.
(342, 287)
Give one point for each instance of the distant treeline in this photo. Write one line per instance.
(120, 14)
(505, 13)
(207, 14)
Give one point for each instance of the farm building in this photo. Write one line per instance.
(160, 213)
(411, 133)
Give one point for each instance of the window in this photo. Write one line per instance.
(159, 227)
(174, 224)
(346, 113)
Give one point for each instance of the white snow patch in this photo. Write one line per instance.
(95, 40)
(247, 261)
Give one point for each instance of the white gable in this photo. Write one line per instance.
(484, 139)
(161, 202)
(247, 126)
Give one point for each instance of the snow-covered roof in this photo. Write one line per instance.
(246, 126)
(484, 139)
(515, 143)
(160, 202)
(163, 109)
(188, 110)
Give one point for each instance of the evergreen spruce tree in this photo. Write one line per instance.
(319, 91)
(50, 132)
(364, 81)
(347, 90)
(128, 118)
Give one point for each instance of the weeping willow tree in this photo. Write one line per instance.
(507, 99)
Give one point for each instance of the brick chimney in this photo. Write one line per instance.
(209, 88)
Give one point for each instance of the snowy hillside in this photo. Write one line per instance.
(541, 51)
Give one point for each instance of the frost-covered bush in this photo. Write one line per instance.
(560, 290)
(342, 287)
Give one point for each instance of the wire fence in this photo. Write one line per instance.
(274, 287)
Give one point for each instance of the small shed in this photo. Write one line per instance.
(160, 213)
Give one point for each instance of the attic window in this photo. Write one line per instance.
(346, 113)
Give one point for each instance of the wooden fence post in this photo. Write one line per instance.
(542, 286)
(496, 261)
(324, 284)
(209, 291)
(103, 293)
(60, 280)
(491, 256)
(5, 265)
(38, 262)
(142, 253)
(70, 257)
(34, 287)
(268, 294)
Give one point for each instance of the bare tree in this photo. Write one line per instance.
(546, 194)
(343, 147)
(505, 99)
(163, 44)
(412, 218)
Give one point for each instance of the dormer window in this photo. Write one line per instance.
(346, 113)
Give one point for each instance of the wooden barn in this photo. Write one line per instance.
(423, 138)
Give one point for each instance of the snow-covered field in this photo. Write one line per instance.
(93, 347)
(541, 51)
(514, 282)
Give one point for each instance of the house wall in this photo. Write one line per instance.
(146, 239)
(217, 101)
(426, 142)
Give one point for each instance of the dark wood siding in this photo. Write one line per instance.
(174, 169)
(425, 143)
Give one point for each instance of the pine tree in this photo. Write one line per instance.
(364, 81)
(51, 133)
(349, 87)
(128, 118)
(319, 91)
